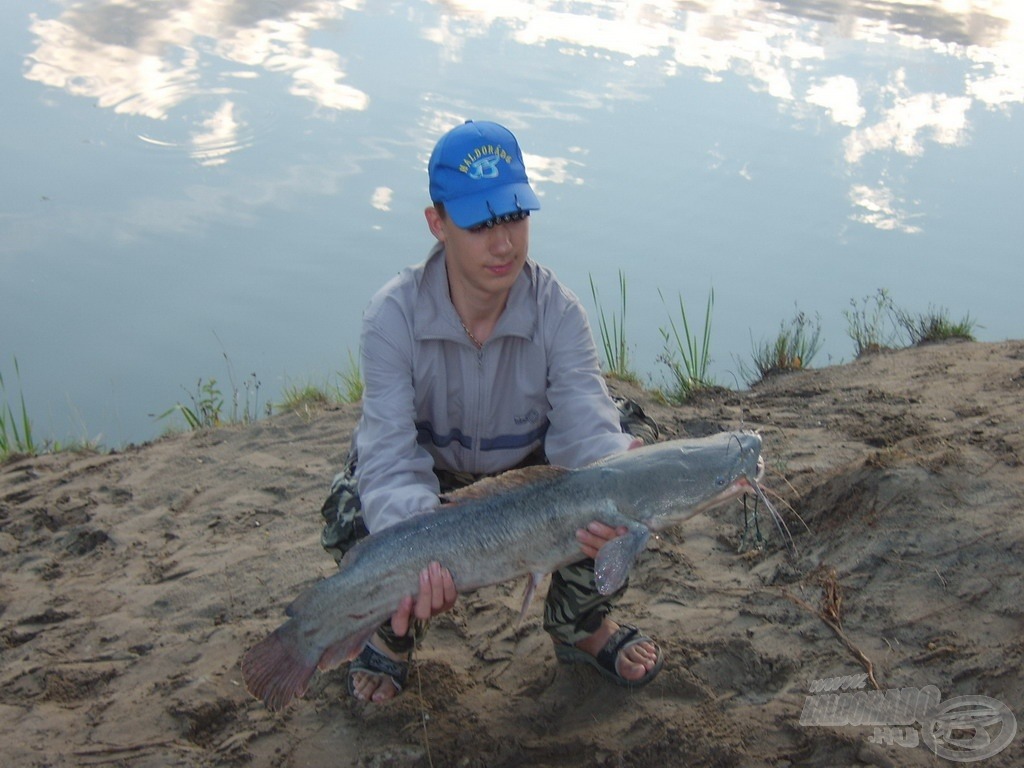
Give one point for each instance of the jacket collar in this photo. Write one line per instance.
(435, 316)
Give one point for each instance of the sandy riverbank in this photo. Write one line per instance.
(131, 584)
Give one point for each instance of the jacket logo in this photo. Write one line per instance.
(530, 417)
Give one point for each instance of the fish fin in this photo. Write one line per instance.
(345, 649)
(532, 582)
(611, 567)
(279, 667)
(506, 481)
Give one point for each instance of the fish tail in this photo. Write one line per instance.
(279, 667)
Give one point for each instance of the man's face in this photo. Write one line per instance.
(482, 260)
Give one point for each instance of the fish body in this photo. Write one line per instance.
(522, 523)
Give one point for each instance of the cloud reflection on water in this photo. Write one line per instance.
(145, 58)
(150, 59)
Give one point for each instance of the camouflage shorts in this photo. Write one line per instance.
(573, 608)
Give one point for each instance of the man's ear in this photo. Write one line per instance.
(435, 222)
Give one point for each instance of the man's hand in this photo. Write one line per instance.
(437, 595)
(596, 535)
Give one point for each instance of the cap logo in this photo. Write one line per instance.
(482, 162)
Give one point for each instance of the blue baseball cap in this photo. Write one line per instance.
(477, 171)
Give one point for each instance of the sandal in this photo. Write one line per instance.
(372, 662)
(606, 661)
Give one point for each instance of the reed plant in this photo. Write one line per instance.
(15, 428)
(613, 334)
(686, 355)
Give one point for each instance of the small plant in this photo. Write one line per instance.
(935, 325)
(872, 326)
(207, 406)
(792, 350)
(613, 336)
(686, 355)
(244, 410)
(15, 431)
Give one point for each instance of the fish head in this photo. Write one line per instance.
(671, 481)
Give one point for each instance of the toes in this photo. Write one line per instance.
(637, 660)
(362, 687)
(385, 691)
(374, 688)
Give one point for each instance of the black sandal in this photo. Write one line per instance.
(606, 661)
(370, 661)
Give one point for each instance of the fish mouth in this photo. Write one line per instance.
(741, 486)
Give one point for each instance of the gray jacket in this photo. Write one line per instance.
(432, 399)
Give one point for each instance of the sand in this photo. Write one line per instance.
(131, 583)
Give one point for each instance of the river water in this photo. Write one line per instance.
(201, 189)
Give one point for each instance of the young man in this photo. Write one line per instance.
(475, 362)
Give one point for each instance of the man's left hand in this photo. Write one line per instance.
(596, 535)
(437, 595)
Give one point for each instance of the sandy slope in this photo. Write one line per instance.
(131, 583)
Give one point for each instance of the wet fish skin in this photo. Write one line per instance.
(521, 523)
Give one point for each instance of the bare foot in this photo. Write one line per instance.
(632, 663)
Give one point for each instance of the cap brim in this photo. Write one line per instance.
(469, 210)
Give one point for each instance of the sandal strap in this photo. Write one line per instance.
(374, 662)
(624, 636)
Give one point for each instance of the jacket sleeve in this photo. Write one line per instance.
(584, 422)
(395, 474)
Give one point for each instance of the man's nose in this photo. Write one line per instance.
(499, 239)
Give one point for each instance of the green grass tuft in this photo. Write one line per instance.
(935, 325)
(308, 396)
(351, 388)
(793, 348)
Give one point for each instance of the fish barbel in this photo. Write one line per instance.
(523, 522)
